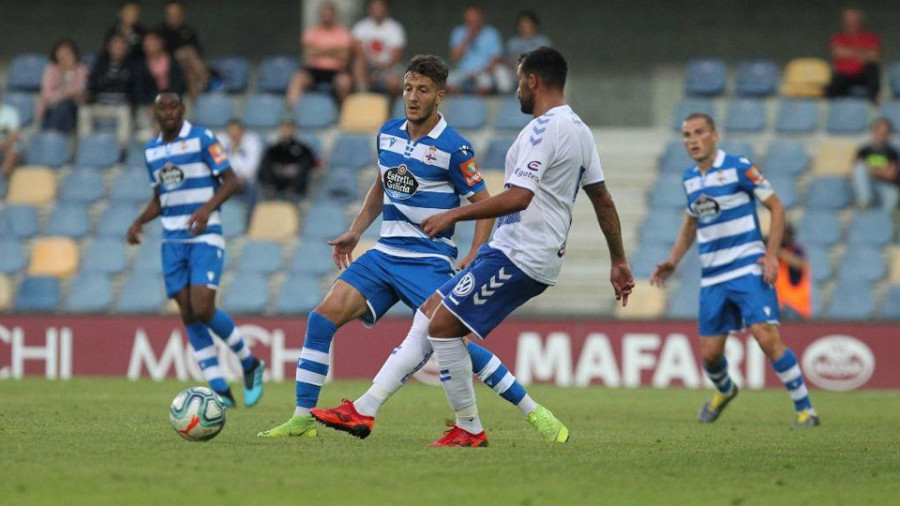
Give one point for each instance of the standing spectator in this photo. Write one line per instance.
(62, 87)
(182, 43)
(876, 173)
(244, 150)
(286, 167)
(379, 42)
(9, 138)
(477, 51)
(326, 48)
(856, 56)
(112, 90)
(129, 26)
(794, 282)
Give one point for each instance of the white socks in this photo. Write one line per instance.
(455, 368)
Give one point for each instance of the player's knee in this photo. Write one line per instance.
(203, 310)
(711, 356)
(445, 326)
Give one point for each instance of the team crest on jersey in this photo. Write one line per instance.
(217, 153)
(706, 208)
(171, 176)
(430, 155)
(464, 286)
(470, 172)
(400, 183)
(754, 175)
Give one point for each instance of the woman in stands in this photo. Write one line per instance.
(62, 86)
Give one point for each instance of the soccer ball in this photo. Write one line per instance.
(197, 414)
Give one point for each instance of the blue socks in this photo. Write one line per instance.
(495, 375)
(224, 327)
(312, 368)
(718, 374)
(205, 353)
(789, 373)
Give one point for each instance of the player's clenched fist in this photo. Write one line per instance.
(435, 223)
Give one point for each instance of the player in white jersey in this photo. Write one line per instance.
(552, 157)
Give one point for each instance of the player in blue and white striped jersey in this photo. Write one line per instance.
(738, 268)
(191, 178)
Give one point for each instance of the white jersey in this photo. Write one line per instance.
(553, 157)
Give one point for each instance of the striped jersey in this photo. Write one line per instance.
(420, 179)
(728, 233)
(187, 171)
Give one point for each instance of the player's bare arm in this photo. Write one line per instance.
(608, 219)
(483, 230)
(685, 239)
(342, 252)
(776, 231)
(512, 200)
(150, 212)
(229, 184)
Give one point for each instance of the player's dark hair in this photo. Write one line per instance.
(170, 91)
(529, 15)
(65, 42)
(548, 64)
(703, 116)
(886, 121)
(430, 66)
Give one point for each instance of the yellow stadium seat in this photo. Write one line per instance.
(362, 246)
(5, 293)
(274, 221)
(494, 180)
(32, 184)
(364, 112)
(895, 267)
(834, 158)
(805, 77)
(645, 302)
(54, 256)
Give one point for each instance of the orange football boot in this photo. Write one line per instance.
(454, 436)
(345, 418)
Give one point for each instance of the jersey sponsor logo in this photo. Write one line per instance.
(706, 208)
(400, 183)
(754, 175)
(171, 176)
(217, 153)
(527, 174)
(464, 286)
(534, 165)
(470, 172)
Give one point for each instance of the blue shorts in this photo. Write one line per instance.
(386, 279)
(735, 304)
(191, 263)
(488, 290)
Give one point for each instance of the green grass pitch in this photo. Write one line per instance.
(109, 442)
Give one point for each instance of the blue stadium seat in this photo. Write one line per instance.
(24, 105)
(738, 148)
(675, 158)
(852, 300)
(820, 264)
(12, 260)
(213, 110)
(37, 293)
(495, 155)
(645, 259)
(263, 111)
(894, 79)
(68, 220)
(260, 257)
(871, 228)
(745, 115)
(756, 78)
(668, 192)
(275, 74)
(891, 112)
(149, 258)
(848, 116)
(106, 256)
(510, 115)
(315, 111)
(861, 263)
(134, 157)
(131, 186)
(234, 218)
(20, 221)
(797, 115)
(312, 257)
(828, 192)
(324, 221)
(91, 292)
(786, 188)
(890, 306)
(116, 219)
(465, 112)
(374, 230)
(97, 150)
(705, 78)
(142, 292)
(352, 151)
(660, 227)
(300, 293)
(398, 110)
(234, 72)
(690, 270)
(819, 227)
(82, 187)
(786, 157)
(48, 148)
(2, 187)
(247, 294)
(339, 185)
(684, 301)
(689, 105)
(25, 72)
(312, 142)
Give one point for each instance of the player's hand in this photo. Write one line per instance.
(622, 281)
(197, 221)
(770, 267)
(466, 261)
(662, 272)
(342, 252)
(133, 236)
(434, 224)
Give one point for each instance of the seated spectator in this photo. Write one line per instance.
(112, 90)
(379, 41)
(156, 71)
(477, 51)
(182, 43)
(129, 26)
(326, 49)
(286, 166)
(528, 38)
(245, 151)
(62, 87)
(876, 173)
(794, 282)
(9, 138)
(856, 56)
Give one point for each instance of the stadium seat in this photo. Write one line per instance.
(315, 111)
(684, 301)
(131, 186)
(313, 142)
(852, 300)
(234, 218)
(647, 256)
(786, 157)
(675, 158)
(510, 115)
(374, 230)
(495, 155)
(212, 110)
(53, 256)
(689, 105)
(705, 78)
(31, 185)
(260, 257)
(339, 185)
(847, 116)
(834, 158)
(300, 293)
(263, 111)
(495, 181)
(234, 72)
(797, 116)
(364, 112)
(890, 306)
(106, 256)
(82, 187)
(891, 112)
(49, 148)
(247, 293)
(68, 220)
(116, 218)
(273, 220)
(805, 77)
(275, 74)
(324, 221)
(97, 150)
(398, 110)
(352, 151)
(149, 257)
(19, 221)
(142, 292)
(871, 228)
(668, 192)
(464, 112)
(24, 105)
(363, 246)
(745, 115)
(6, 293)
(820, 264)
(861, 263)
(738, 148)
(819, 228)
(756, 78)
(311, 257)
(786, 189)
(894, 80)
(645, 303)
(12, 260)
(660, 227)
(25, 72)
(828, 193)
(37, 293)
(91, 292)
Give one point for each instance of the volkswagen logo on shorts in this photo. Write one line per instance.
(465, 285)
(838, 362)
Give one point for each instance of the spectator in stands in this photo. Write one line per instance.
(9, 138)
(182, 43)
(129, 26)
(856, 56)
(287, 165)
(528, 38)
(379, 41)
(62, 87)
(245, 151)
(477, 51)
(327, 49)
(112, 90)
(794, 282)
(156, 71)
(876, 171)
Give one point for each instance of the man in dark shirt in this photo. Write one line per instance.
(182, 43)
(286, 166)
(875, 176)
(111, 90)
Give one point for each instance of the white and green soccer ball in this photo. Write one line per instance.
(197, 414)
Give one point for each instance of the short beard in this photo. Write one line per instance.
(425, 117)
(526, 104)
